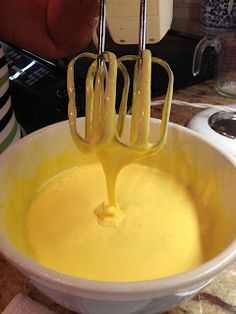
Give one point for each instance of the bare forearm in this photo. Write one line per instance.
(50, 28)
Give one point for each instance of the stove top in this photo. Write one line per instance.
(38, 86)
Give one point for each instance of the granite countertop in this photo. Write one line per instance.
(218, 298)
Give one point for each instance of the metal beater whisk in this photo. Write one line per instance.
(101, 124)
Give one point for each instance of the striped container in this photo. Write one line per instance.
(9, 128)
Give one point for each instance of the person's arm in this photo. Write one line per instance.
(50, 28)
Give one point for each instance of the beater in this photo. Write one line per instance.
(102, 127)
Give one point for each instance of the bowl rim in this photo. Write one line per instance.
(118, 290)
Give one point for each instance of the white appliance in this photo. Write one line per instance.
(218, 126)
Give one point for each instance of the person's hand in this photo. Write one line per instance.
(70, 22)
(50, 28)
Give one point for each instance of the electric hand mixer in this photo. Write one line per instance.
(103, 129)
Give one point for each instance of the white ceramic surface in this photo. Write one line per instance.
(147, 297)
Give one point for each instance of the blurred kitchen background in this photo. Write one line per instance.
(39, 86)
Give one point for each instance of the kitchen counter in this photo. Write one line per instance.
(218, 298)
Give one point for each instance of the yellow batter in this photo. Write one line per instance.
(159, 235)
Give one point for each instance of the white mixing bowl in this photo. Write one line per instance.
(23, 170)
